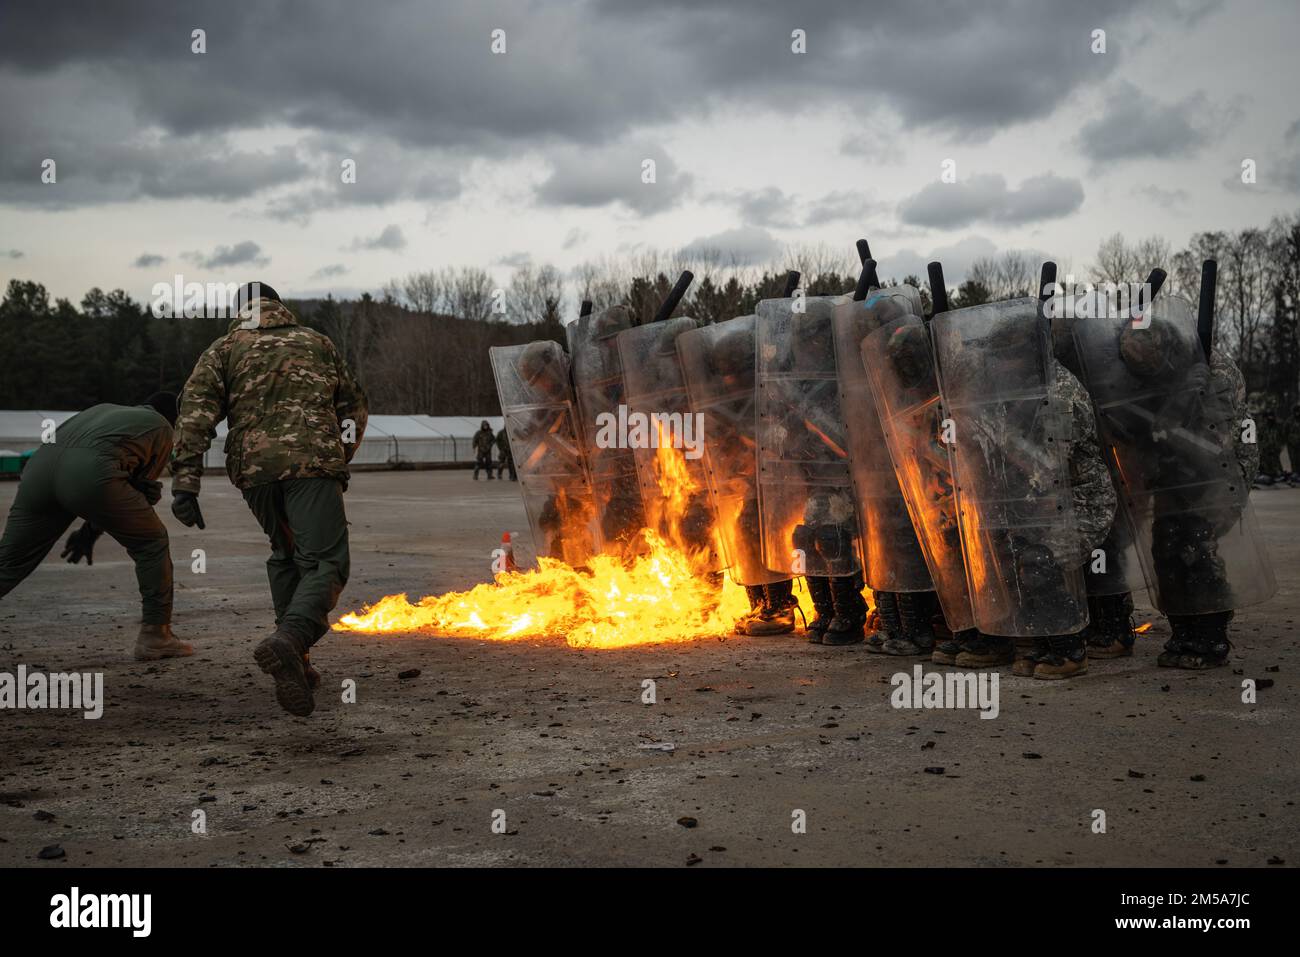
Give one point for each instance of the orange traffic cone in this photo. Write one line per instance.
(508, 547)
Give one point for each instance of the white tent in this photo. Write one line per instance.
(391, 440)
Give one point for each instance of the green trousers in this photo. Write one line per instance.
(309, 563)
(61, 484)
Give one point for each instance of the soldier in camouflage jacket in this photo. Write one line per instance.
(296, 416)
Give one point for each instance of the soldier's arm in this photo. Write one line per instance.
(1227, 382)
(1092, 491)
(202, 406)
(349, 403)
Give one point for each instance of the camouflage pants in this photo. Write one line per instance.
(309, 561)
(483, 461)
(60, 484)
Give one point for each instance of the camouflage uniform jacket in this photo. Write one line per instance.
(1092, 490)
(1228, 384)
(484, 440)
(287, 394)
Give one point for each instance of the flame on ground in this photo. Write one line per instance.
(653, 598)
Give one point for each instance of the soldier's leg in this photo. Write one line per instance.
(36, 522)
(314, 510)
(266, 502)
(125, 514)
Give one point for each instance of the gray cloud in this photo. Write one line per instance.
(515, 260)
(391, 238)
(612, 174)
(13, 254)
(1169, 198)
(246, 253)
(1135, 125)
(773, 207)
(136, 113)
(574, 237)
(329, 272)
(986, 198)
(744, 246)
(148, 261)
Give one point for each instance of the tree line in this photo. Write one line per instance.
(421, 345)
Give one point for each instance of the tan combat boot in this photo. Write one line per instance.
(157, 641)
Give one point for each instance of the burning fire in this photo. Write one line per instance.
(664, 589)
(655, 597)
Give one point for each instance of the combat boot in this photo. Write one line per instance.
(819, 590)
(1198, 642)
(157, 641)
(890, 622)
(1110, 634)
(1060, 656)
(985, 651)
(916, 616)
(776, 617)
(313, 676)
(946, 650)
(848, 625)
(281, 656)
(756, 598)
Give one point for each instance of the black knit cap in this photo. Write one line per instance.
(164, 403)
(254, 290)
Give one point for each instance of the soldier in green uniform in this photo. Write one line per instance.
(296, 418)
(484, 440)
(1270, 436)
(507, 460)
(102, 466)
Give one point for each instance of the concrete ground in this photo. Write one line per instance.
(413, 772)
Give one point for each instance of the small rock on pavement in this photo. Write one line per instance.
(409, 673)
(53, 852)
(687, 821)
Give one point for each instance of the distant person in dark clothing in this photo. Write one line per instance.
(484, 440)
(507, 460)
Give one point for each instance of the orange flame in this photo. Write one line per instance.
(612, 603)
(1143, 628)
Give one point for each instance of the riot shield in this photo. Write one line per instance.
(1024, 557)
(598, 384)
(718, 368)
(669, 446)
(1114, 568)
(806, 510)
(541, 423)
(1171, 425)
(900, 369)
(891, 555)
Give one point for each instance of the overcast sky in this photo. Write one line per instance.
(225, 166)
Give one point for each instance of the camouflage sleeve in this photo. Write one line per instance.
(202, 406)
(1092, 491)
(1230, 387)
(349, 403)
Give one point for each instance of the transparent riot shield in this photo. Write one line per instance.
(541, 423)
(1171, 421)
(1024, 556)
(891, 555)
(805, 497)
(598, 384)
(900, 369)
(1114, 567)
(718, 368)
(668, 442)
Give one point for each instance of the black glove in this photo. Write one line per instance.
(149, 488)
(81, 544)
(185, 506)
